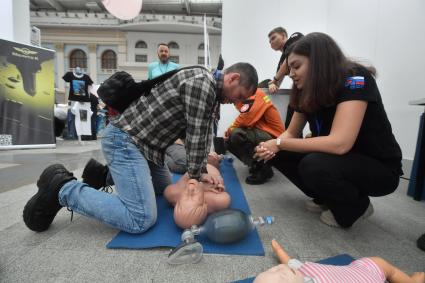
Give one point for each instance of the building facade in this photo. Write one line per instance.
(101, 51)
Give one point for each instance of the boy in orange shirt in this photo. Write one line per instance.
(258, 121)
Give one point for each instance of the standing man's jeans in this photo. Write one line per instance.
(137, 180)
(93, 121)
(70, 119)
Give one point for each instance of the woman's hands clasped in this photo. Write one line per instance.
(266, 150)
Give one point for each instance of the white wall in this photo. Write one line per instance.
(21, 21)
(15, 20)
(6, 20)
(387, 34)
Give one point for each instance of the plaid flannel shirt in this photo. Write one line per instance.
(184, 105)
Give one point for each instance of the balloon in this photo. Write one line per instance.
(123, 9)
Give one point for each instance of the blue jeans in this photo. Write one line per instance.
(136, 180)
(70, 120)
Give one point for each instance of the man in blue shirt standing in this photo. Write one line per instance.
(175, 156)
(164, 64)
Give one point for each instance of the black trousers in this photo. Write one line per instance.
(242, 142)
(289, 114)
(59, 126)
(94, 125)
(341, 182)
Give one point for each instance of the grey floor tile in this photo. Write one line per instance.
(75, 251)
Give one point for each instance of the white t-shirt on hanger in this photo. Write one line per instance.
(82, 113)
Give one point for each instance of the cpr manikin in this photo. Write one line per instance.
(370, 269)
(193, 200)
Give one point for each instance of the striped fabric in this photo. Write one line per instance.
(363, 270)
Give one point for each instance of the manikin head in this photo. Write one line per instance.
(78, 71)
(163, 53)
(191, 208)
(280, 274)
(277, 38)
(239, 82)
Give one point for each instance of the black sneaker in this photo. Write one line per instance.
(95, 174)
(219, 145)
(260, 177)
(42, 208)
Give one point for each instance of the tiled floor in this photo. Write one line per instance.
(75, 251)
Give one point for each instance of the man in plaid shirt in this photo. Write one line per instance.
(185, 105)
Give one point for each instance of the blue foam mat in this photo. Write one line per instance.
(343, 259)
(165, 233)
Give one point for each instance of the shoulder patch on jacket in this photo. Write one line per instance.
(354, 82)
(246, 106)
(266, 98)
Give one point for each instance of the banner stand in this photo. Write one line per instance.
(32, 146)
(27, 96)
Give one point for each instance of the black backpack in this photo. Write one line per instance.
(120, 89)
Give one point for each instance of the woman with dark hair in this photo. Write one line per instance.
(352, 153)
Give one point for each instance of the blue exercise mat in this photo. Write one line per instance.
(343, 259)
(165, 233)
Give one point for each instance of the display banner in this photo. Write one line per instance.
(26, 96)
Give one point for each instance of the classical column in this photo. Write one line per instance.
(122, 54)
(93, 61)
(60, 66)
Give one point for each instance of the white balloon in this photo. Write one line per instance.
(123, 9)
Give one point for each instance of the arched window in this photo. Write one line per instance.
(201, 46)
(173, 45)
(78, 58)
(109, 60)
(141, 44)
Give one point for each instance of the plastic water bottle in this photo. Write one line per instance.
(226, 157)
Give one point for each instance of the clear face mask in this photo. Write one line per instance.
(186, 252)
